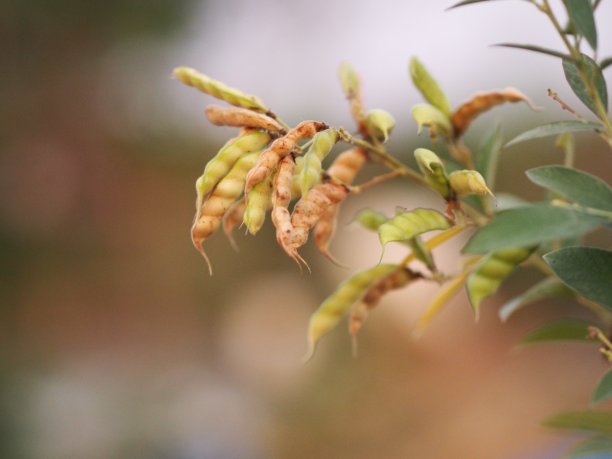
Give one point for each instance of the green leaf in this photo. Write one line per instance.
(604, 389)
(593, 448)
(605, 63)
(580, 187)
(530, 225)
(591, 421)
(507, 201)
(488, 156)
(428, 87)
(588, 270)
(554, 128)
(593, 72)
(567, 330)
(534, 48)
(580, 13)
(550, 287)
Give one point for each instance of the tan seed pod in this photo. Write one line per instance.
(204, 83)
(480, 103)
(344, 168)
(394, 280)
(233, 218)
(242, 117)
(280, 148)
(228, 190)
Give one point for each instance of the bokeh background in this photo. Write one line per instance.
(116, 343)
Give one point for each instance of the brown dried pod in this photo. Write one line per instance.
(480, 103)
(233, 218)
(242, 117)
(280, 148)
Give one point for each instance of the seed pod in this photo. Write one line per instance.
(408, 224)
(223, 161)
(280, 148)
(322, 143)
(209, 217)
(241, 117)
(433, 170)
(430, 116)
(379, 124)
(394, 280)
(232, 218)
(295, 180)
(372, 220)
(329, 313)
(311, 207)
(351, 86)
(491, 272)
(258, 202)
(428, 87)
(480, 103)
(466, 182)
(204, 83)
(345, 168)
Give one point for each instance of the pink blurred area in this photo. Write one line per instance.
(115, 341)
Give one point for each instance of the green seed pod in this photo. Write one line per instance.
(349, 80)
(408, 224)
(371, 219)
(259, 201)
(428, 87)
(428, 115)
(296, 190)
(311, 167)
(379, 124)
(491, 272)
(223, 161)
(327, 316)
(466, 182)
(204, 83)
(433, 170)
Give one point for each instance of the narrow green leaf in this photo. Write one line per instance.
(550, 287)
(604, 389)
(488, 157)
(580, 187)
(534, 48)
(588, 270)
(507, 201)
(428, 87)
(567, 330)
(605, 63)
(530, 225)
(581, 14)
(593, 448)
(591, 421)
(555, 128)
(593, 72)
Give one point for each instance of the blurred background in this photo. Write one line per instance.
(116, 343)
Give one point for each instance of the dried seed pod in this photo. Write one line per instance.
(311, 207)
(408, 224)
(430, 116)
(280, 148)
(379, 124)
(258, 202)
(242, 117)
(322, 143)
(329, 313)
(344, 168)
(466, 182)
(223, 161)
(392, 281)
(433, 170)
(233, 218)
(491, 272)
(351, 86)
(204, 83)
(228, 190)
(480, 103)
(428, 87)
